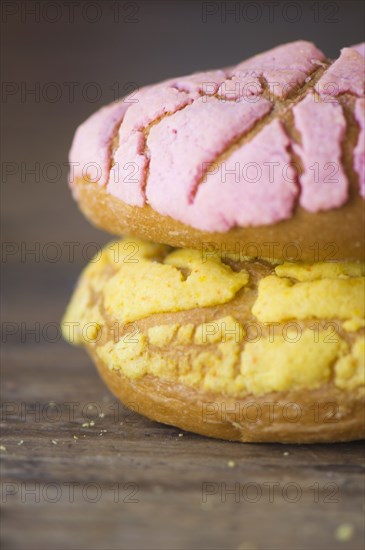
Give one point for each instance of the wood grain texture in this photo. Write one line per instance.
(123, 457)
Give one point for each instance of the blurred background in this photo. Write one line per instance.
(61, 61)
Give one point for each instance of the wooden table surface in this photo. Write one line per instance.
(80, 471)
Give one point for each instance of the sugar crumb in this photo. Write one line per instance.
(344, 532)
(247, 546)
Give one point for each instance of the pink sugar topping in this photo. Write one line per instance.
(210, 151)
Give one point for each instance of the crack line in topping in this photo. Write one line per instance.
(144, 132)
(146, 152)
(348, 144)
(114, 142)
(278, 111)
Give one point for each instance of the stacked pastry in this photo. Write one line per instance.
(235, 308)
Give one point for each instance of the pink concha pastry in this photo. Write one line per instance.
(268, 151)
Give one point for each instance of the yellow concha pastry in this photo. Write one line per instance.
(226, 347)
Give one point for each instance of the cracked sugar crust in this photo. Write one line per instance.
(168, 325)
(227, 320)
(222, 149)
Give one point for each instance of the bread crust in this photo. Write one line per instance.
(324, 415)
(331, 235)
